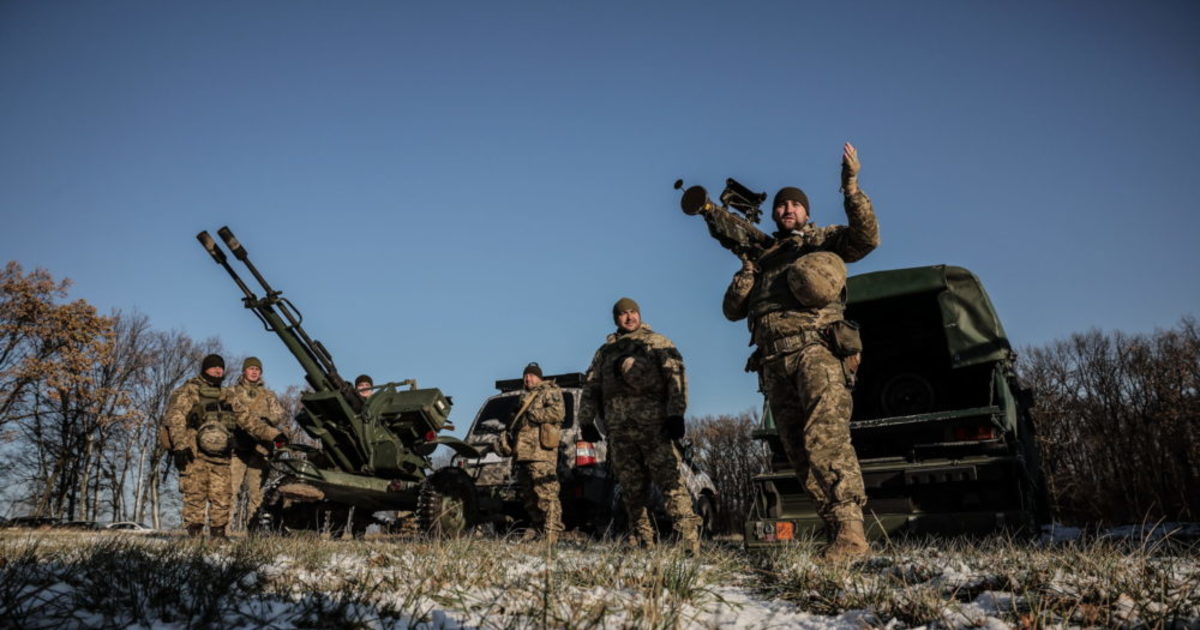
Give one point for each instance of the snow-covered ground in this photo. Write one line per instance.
(1135, 577)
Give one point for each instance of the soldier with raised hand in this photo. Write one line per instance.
(201, 419)
(793, 297)
(637, 382)
(532, 440)
(249, 464)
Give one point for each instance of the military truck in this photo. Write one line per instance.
(591, 497)
(941, 426)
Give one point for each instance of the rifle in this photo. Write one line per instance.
(734, 232)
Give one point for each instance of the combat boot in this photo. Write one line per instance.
(691, 545)
(850, 544)
(641, 539)
(831, 529)
(689, 540)
(195, 530)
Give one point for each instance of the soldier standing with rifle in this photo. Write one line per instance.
(793, 294)
(532, 440)
(200, 422)
(249, 464)
(637, 382)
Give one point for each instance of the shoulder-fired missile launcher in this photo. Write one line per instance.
(374, 451)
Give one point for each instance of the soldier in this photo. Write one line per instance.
(636, 381)
(794, 298)
(364, 385)
(200, 422)
(532, 441)
(249, 462)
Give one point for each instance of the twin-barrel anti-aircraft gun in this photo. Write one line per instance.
(374, 453)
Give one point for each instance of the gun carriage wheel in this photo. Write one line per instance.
(448, 504)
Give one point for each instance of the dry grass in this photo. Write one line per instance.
(65, 580)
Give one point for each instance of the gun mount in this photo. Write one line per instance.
(738, 234)
(374, 452)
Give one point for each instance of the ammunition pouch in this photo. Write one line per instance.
(845, 343)
(754, 362)
(549, 435)
(843, 338)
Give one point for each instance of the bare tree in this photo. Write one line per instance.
(1119, 423)
(723, 448)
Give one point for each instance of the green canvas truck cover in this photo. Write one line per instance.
(973, 331)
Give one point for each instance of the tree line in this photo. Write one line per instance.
(81, 394)
(1118, 420)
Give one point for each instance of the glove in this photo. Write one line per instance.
(850, 168)
(589, 433)
(182, 458)
(673, 428)
(279, 441)
(501, 446)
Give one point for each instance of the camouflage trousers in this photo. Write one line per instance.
(811, 404)
(639, 455)
(539, 490)
(249, 468)
(205, 485)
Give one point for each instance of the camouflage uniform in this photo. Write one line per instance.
(541, 410)
(806, 384)
(249, 462)
(636, 381)
(205, 479)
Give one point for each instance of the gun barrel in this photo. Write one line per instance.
(735, 233)
(210, 245)
(695, 201)
(318, 365)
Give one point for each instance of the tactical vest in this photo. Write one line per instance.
(255, 399)
(772, 295)
(214, 422)
(641, 377)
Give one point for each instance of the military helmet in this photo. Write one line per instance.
(214, 439)
(817, 279)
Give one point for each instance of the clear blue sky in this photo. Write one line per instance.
(450, 190)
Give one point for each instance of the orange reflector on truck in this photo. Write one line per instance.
(975, 433)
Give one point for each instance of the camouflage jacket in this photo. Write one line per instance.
(182, 433)
(641, 365)
(763, 295)
(543, 407)
(259, 402)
